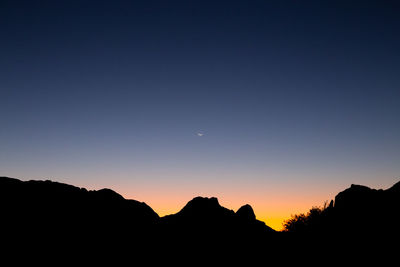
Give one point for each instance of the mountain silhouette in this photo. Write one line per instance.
(359, 221)
(246, 213)
(358, 210)
(62, 218)
(205, 218)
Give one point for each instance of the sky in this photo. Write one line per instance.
(276, 104)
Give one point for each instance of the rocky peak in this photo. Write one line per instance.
(202, 205)
(246, 212)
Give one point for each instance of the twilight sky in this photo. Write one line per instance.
(279, 104)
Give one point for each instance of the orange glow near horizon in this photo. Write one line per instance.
(275, 221)
(272, 210)
(272, 217)
(273, 200)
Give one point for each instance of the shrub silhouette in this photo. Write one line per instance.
(311, 221)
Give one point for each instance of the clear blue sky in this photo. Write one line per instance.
(294, 98)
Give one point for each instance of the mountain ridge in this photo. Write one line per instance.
(198, 205)
(54, 214)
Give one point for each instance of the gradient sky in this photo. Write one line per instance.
(296, 100)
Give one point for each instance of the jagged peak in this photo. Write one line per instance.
(203, 202)
(246, 212)
(204, 206)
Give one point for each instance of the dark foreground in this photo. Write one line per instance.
(43, 220)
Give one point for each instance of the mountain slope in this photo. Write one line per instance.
(358, 212)
(54, 211)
